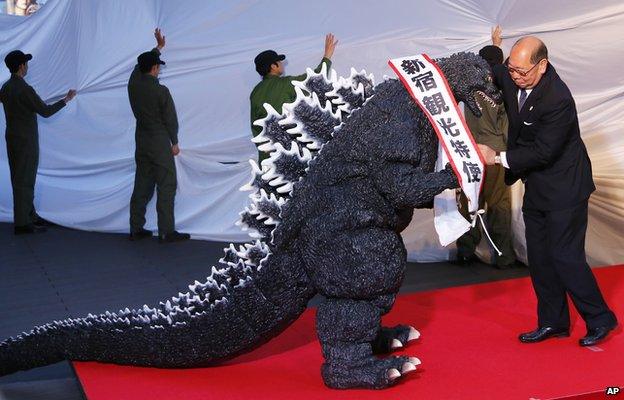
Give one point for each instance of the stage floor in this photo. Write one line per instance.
(66, 273)
(468, 348)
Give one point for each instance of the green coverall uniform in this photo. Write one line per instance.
(490, 129)
(21, 106)
(277, 91)
(156, 131)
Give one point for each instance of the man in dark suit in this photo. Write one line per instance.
(545, 150)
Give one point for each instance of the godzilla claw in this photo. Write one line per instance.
(393, 374)
(414, 361)
(390, 339)
(408, 367)
(372, 373)
(413, 334)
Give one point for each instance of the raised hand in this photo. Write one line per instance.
(330, 45)
(160, 39)
(497, 36)
(69, 96)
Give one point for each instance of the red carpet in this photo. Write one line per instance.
(468, 348)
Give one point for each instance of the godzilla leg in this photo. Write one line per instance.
(346, 328)
(391, 338)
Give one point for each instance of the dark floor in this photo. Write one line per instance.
(66, 273)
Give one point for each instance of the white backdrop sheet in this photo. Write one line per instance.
(87, 168)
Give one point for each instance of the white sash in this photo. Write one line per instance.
(426, 83)
(424, 80)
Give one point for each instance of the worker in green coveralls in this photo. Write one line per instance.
(490, 129)
(275, 88)
(156, 138)
(21, 106)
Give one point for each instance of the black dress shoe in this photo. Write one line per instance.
(27, 229)
(43, 222)
(465, 260)
(543, 333)
(514, 264)
(504, 266)
(138, 235)
(174, 236)
(596, 335)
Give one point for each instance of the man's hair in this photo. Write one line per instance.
(539, 54)
(145, 69)
(264, 71)
(14, 68)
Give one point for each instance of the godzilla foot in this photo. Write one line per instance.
(372, 373)
(390, 339)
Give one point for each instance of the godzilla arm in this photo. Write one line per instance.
(407, 186)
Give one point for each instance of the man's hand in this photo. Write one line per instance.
(497, 36)
(330, 45)
(175, 149)
(160, 39)
(487, 153)
(69, 96)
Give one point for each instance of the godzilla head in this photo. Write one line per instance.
(470, 76)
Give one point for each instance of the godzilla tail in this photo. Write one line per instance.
(235, 310)
(260, 289)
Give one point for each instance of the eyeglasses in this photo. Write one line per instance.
(519, 72)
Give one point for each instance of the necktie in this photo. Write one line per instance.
(522, 99)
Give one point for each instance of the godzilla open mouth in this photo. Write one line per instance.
(485, 97)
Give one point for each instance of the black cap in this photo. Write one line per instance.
(492, 54)
(148, 59)
(264, 60)
(16, 58)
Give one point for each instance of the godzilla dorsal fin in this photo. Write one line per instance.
(314, 124)
(290, 136)
(286, 167)
(230, 255)
(252, 221)
(273, 130)
(257, 183)
(254, 254)
(366, 80)
(351, 93)
(268, 206)
(317, 83)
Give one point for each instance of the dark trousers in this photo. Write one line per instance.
(556, 252)
(23, 155)
(154, 172)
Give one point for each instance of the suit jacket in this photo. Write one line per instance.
(544, 146)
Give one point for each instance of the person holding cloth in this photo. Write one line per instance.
(490, 129)
(277, 89)
(545, 150)
(156, 137)
(21, 105)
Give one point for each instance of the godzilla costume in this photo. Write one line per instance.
(349, 163)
